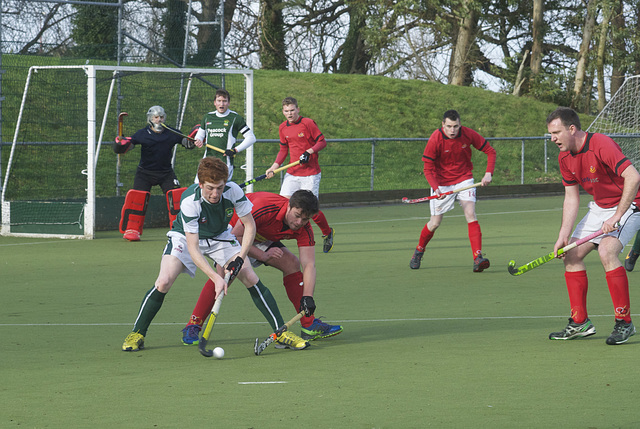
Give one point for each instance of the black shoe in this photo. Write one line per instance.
(574, 330)
(480, 264)
(621, 332)
(630, 261)
(414, 264)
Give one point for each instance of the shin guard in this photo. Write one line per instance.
(134, 210)
(173, 203)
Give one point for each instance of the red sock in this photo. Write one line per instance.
(293, 284)
(577, 285)
(204, 304)
(425, 236)
(475, 238)
(321, 221)
(619, 289)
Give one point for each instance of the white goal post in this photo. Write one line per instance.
(55, 173)
(620, 119)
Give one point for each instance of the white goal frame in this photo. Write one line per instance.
(95, 139)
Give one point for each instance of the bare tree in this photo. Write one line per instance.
(583, 55)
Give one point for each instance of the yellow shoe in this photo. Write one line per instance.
(289, 340)
(133, 343)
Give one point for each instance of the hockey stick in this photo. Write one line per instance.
(121, 123)
(264, 176)
(546, 258)
(433, 197)
(259, 348)
(202, 344)
(190, 138)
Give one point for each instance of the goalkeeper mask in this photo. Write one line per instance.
(156, 116)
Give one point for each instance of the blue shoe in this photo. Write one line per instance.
(319, 329)
(191, 335)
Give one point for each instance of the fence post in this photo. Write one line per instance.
(373, 161)
(522, 164)
(545, 156)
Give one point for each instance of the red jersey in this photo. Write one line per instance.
(597, 168)
(268, 212)
(448, 161)
(296, 138)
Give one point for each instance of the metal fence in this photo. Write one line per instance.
(348, 165)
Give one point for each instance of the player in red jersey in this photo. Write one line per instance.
(595, 162)
(301, 138)
(278, 218)
(447, 167)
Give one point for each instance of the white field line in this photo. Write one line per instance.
(412, 319)
(448, 216)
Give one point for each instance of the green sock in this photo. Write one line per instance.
(267, 305)
(148, 309)
(636, 244)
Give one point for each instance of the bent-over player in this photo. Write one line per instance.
(201, 229)
(447, 167)
(154, 169)
(596, 163)
(278, 218)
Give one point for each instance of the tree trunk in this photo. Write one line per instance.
(581, 69)
(459, 67)
(537, 28)
(355, 58)
(618, 70)
(208, 38)
(602, 43)
(174, 24)
(272, 47)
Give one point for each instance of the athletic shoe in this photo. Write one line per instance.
(328, 241)
(414, 264)
(480, 264)
(630, 261)
(289, 340)
(318, 330)
(133, 343)
(574, 330)
(621, 332)
(191, 335)
(131, 235)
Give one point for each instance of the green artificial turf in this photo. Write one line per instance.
(438, 347)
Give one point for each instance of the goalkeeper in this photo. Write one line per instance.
(156, 151)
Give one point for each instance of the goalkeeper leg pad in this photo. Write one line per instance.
(173, 203)
(133, 212)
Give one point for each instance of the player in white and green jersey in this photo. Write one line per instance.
(221, 127)
(201, 229)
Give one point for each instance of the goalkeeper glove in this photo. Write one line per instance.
(304, 158)
(308, 305)
(188, 143)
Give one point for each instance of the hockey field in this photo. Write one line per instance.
(439, 347)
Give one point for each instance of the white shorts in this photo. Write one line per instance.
(264, 246)
(220, 249)
(593, 220)
(440, 207)
(291, 183)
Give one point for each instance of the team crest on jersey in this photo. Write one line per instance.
(229, 212)
(301, 134)
(464, 146)
(592, 169)
(226, 123)
(203, 220)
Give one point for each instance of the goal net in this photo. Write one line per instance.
(620, 119)
(61, 159)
